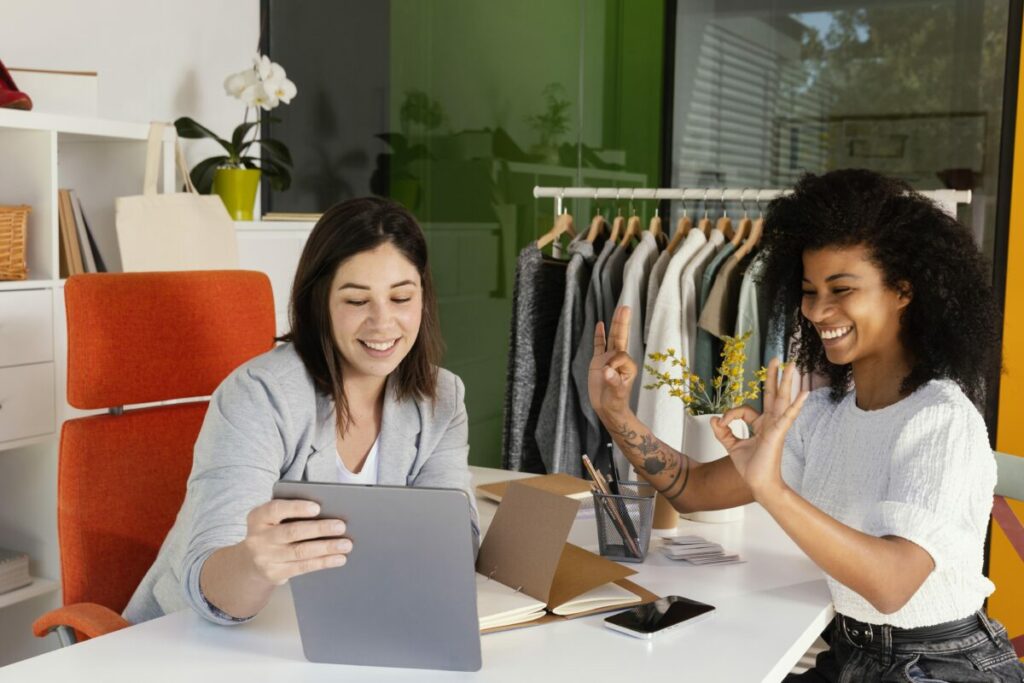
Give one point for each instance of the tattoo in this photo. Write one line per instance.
(648, 450)
(682, 488)
(673, 482)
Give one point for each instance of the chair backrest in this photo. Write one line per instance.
(142, 338)
(1010, 477)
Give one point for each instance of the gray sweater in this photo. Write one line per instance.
(561, 420)
(266, 423)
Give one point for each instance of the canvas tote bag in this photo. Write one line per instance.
(179, 231)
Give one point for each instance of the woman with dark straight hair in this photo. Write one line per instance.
(884, 479)
(354, 394)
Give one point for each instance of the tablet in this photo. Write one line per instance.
(406, 597)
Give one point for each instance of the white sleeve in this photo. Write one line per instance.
(794, 456)
(941, 478)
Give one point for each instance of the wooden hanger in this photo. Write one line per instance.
(562, 226)
(654, 227)
(705, 225)
(617, 224)
(755, 234)
(597, 226)
(724, 224)
(682, 230)
(633, 229)
(743, 229)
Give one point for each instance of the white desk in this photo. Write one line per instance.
(770, 610)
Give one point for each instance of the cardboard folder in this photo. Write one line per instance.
(525, 549)
(560, 484)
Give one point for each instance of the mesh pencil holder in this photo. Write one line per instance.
(624, 521)
(13, 228)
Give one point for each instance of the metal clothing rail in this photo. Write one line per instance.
(948, 199)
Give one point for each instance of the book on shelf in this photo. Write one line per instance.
(560, 484)
(83, 238)
(13, 570)
(71, 256)
(528, 574)
(291, 216)
(79, 251)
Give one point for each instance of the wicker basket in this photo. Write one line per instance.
(13, 224)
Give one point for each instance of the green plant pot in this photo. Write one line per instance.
(236, 187)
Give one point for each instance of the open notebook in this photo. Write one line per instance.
(499, 605)
(527, 573)
(559, 483)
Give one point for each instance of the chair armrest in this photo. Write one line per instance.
(87, 619)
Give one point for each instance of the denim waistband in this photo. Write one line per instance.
(884, 636)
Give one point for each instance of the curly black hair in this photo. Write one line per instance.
(951, 325)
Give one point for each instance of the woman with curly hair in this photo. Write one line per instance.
(885, 479)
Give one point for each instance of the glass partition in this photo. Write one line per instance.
(457, 108)
(766, 90)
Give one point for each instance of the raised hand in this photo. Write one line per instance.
(759, 457)
(612, 371)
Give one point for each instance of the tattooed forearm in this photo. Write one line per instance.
(647, 449)
(659, 464)
(682, 488)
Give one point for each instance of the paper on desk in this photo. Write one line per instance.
(499, 605)
(723, 559)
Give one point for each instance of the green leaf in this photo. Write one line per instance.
(279, 176)
(190, 129)
(239, 135)
(202, 173)
(277, 151)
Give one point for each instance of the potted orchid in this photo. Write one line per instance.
(702, 402)
(235, 175)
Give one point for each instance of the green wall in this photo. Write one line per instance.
(485, 102)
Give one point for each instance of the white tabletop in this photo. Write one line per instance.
(769, 611)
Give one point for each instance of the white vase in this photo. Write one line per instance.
(699, 443)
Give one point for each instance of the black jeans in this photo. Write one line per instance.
(884, 653)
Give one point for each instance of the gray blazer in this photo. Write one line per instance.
(266, 422)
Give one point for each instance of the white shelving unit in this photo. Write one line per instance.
(39, 154)
(274, 247)
(35, 589)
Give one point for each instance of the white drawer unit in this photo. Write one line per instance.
(27, 405)
(26, 327)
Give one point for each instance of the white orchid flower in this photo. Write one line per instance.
(284, 90)
(275, 75)
(236, 83)
(261, 64)
(257, 96)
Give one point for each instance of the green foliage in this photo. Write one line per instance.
(275, 165)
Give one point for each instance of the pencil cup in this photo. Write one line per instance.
(624, 521)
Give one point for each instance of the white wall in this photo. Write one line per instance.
(156, 61)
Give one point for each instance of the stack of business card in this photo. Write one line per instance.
(697, 551)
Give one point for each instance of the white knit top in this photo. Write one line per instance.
(920, 469)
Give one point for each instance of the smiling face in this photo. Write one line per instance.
(845, 297)
(376, 305)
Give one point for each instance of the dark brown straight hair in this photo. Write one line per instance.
(346, 229)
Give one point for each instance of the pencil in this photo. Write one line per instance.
(620, 525)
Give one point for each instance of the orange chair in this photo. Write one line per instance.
(139, 338)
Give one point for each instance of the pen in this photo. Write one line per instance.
(602, 485)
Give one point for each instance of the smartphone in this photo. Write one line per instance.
(659, 616)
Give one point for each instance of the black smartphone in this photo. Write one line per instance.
(659, 616)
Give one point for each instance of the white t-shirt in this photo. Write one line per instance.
(368, 473)
(920, 469)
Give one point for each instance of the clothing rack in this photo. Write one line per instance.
(947, 199)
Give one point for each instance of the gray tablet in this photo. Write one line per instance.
(407, 595)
